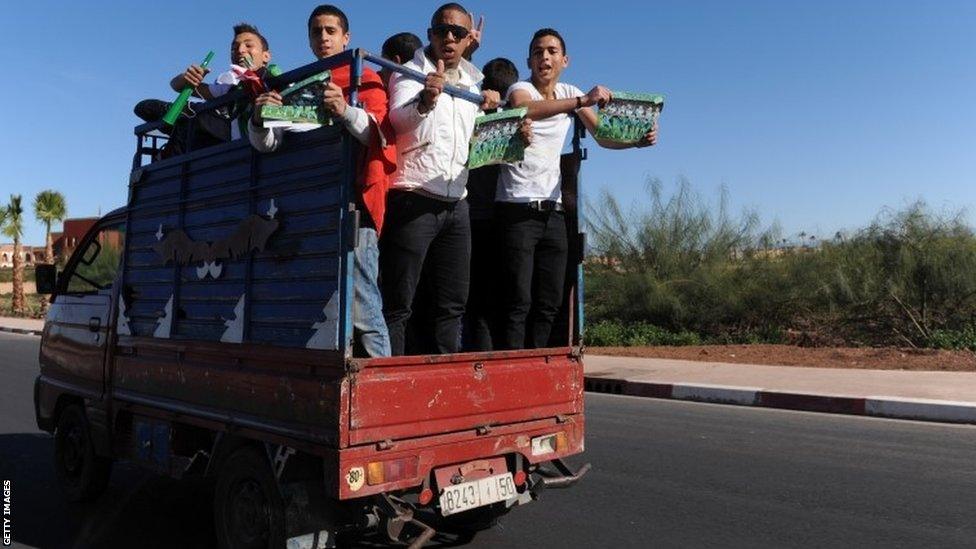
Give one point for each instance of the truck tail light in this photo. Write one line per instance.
(549, 444)
(519, 478)
(425, 496)
(381, 472)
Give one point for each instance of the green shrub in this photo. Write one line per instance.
(953, 339)
(605, 334)
(608, 333)
(683, 266)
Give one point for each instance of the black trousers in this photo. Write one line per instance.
(423, 234)
(211, 128)
(480, 316)
(534, 255)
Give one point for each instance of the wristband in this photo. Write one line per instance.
(579, 102)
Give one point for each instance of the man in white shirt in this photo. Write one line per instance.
(427, 216)
(528, 209)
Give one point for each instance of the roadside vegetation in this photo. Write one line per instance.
(680, 271)
(49, 208)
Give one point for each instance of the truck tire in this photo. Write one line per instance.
(248, 508)
(82, 475)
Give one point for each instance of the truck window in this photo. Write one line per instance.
(98, 263)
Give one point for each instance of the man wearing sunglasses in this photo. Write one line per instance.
(427, 217)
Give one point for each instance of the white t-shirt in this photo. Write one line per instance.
(537, 177)
(226, 81)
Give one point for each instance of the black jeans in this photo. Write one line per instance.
(211, 128)
(480, 317)
(424, 234)
(534, 254)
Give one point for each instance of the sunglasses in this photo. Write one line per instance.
(442, 29)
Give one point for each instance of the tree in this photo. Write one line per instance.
(49, 208)
(13, 227)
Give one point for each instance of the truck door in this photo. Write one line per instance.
(77, 330)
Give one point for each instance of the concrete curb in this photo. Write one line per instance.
(23, 331)
(945, 411)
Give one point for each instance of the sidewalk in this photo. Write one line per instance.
(931, 396)
(21, 325)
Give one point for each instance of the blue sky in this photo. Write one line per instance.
(815, 114)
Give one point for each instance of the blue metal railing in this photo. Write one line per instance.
(354, 58)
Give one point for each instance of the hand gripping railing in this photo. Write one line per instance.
(354, 58)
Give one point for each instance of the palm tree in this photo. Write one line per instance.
(49, 208)
(13, 227)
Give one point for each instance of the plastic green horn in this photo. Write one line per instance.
(177, 107)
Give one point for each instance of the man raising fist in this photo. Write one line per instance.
(428, 227)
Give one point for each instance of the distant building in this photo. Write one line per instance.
(71, 234)
(28, 254)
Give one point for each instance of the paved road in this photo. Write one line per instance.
(666, 474)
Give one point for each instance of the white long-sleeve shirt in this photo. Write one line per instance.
(355, 119)
(432, 148)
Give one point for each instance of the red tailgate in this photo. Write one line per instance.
(407, 397)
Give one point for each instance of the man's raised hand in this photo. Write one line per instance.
(433, 87)
(269, 98)
(599, 96)
(476, 34)
(333, 101)
(194, 75)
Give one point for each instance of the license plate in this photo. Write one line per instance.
(485, 491)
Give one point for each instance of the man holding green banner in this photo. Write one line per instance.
(528, 205)
(328, 35)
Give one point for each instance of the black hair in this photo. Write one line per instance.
(329, 9)
(547, 32)
(450, 6)
(500, 74)
(402, 45)
(247, 27)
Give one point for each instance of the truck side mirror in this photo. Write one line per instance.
(46, 278)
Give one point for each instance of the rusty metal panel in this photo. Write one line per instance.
(396, 401)
(299, 388)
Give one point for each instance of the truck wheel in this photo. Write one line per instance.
(248, 508)
(81, 473)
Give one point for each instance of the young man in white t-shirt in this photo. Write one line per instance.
(528, 210)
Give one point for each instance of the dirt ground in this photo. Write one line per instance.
(885, 358)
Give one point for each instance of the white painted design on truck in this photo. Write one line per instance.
(122, 321)
(166, 321)
(326, 334)
(235, 326)
(211, 268)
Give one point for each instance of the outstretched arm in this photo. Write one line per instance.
(544, 108)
